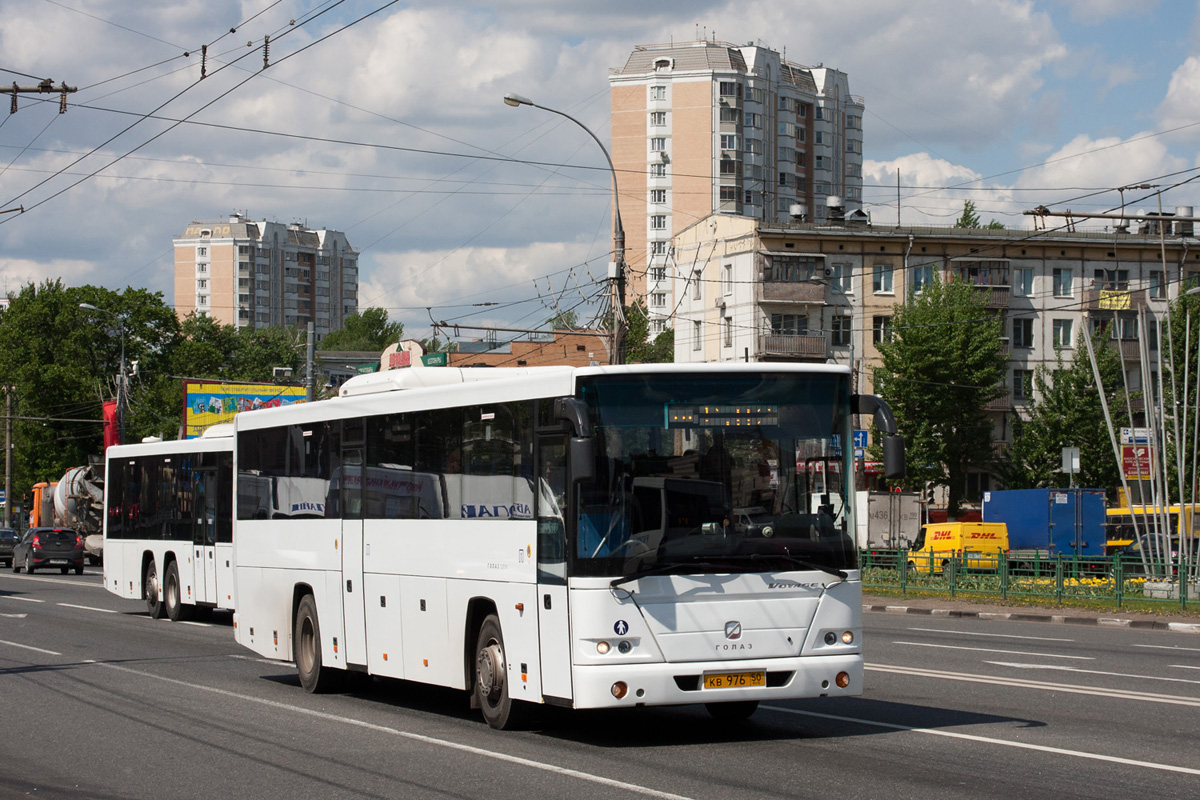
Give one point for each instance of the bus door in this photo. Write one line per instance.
(553, 618)
(351, 502)
(204, 532)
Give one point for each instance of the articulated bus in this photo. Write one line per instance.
(561, 535)
(168, 523)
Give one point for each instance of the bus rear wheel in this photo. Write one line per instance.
(154, 603)
(173, 595)
(500, 711)
(315, 677)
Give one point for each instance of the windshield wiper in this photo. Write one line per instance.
(799, 562)
(659, 569)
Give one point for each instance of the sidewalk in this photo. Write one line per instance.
(954, 607)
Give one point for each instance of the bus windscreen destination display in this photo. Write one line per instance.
(718, 416)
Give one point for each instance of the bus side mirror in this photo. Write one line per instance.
(581, 452)
(893, 457)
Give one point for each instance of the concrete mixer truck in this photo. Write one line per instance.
(79, 504)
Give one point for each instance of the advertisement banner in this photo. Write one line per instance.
(207, 403)
(1136, 460)
(111, 429)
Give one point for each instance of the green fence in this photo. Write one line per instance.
(1034, 579)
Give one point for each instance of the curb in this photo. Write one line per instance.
(1025, 616)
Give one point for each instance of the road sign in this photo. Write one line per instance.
(434, 360)
(860, 438)
(1135, 436)
(1136, 460)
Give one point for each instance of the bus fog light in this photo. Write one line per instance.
(848, 637)
(842, 680)
(624, 647)
(601, 647)
(830, 637)
(619, 689)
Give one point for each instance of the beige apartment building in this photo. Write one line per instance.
(706, 127)
(258, 274)
(771, 291)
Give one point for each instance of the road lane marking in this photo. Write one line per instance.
(1061, 668)
(1022, 683)
(89, 608)
(1169, 647)
(417, 737)
(29, 647)
(992, 740)
(999, 635)
(1172, 666)
(988, 650)
(14, 616)
(22, 599)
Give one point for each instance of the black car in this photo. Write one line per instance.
(8, 540)
(49, 547)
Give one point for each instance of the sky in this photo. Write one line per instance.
(385, 120)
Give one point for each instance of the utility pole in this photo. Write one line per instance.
(8, 457)
(44, 87)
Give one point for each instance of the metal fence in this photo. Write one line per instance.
(1164, 587)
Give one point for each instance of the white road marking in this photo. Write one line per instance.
(89, 608)
(1172, 666)
(992, 740)
(28, 647)
(998, 635)
(430, 740)
(1091, 672)
(1169, 647)
(1022, 683)
(22, 599)
(14, 616)
(987, 650)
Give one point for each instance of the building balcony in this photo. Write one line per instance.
(790, 292)
(997, 296)
(1112, 298)
(789, 346)
(1001, 403)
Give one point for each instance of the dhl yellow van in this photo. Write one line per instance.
(976, 544)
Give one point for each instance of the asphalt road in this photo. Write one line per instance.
(98, 700)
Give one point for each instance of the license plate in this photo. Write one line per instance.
(733, 680)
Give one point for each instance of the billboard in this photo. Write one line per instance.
(208, 403)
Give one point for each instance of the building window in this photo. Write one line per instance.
(658, 144)
(754, 94)
(202, 268)
(729, 166)
(922, 276)
(658, 195)
(730, 114)
(787, 129)
(728, 194)
(840, 279)
(658, 248)
(730, 89)
(881, 279)
(657, 326)
(853, 146)
(789, 324)
(1158, 288)
(727, 331)
(696, 285)
(658, 274)
(727, 279)
(658, 93)
(801, 109)
(658, 222)
(881, 329)
(1022, 332)
(787, 155)
(658, 119)
(697, 334)
(202, 300)
(1022, 385)
(201, 252)
(819, 137)
(819, 113)
(840, 334)
(753, 146)
(729, 141)
(202, 284)
(1022, 281)
(783, 179)
(853, 122)
(792, 269)
(1063, 283)
(753, 120)
(819, 162)
(658, 299)
(1062, 333)
(658, 170)
(749, 200)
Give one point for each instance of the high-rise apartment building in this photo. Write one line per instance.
(258, 274)
(710, 127)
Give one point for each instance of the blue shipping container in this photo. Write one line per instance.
(1058, 521)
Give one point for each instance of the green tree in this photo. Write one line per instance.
(1066, 412)
(564, 320)
(639, 347)
(970, 219)
(366, 330)
(942, 364)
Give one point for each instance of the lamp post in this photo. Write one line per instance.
(617, 355)
(121, 378)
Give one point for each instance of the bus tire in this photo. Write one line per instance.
(173, 595)
(153, 591)
(732, 712)
(500, 711)
(315, 677)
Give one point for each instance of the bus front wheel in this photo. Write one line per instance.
(491, 678)
(314, 676)
(173, 595)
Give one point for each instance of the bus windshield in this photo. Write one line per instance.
(696, 473)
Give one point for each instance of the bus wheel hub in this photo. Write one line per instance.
(491, 671)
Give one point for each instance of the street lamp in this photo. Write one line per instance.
(616, 356)
(121, 379)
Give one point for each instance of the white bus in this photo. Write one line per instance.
(563, 536)
(168, 523)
